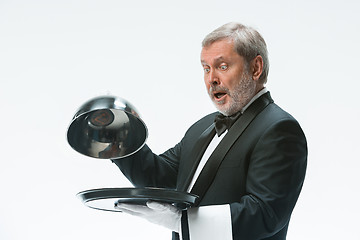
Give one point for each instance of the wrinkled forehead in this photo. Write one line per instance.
(218, 51)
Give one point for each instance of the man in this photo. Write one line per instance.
(248, 178)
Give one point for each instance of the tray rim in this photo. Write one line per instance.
(180, 199)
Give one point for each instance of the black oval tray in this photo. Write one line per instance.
(106, 198)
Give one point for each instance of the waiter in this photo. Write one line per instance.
(246, 162)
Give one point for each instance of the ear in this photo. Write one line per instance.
(257, 67)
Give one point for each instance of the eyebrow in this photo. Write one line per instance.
(217, 60)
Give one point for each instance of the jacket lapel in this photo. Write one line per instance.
(195, 156)
(209, 171)
(205, 138)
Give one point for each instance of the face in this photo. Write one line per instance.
(227, 78)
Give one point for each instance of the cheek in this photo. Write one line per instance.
(227, 80)
(207, 85)
(207, 88)
(206, 79)
(232, 79)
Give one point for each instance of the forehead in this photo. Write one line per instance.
(219, 50)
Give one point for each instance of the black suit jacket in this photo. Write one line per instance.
(260, 176)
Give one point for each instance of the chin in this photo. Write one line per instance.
(228, 109)
(225, 110)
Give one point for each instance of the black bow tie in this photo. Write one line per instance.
(223, 122)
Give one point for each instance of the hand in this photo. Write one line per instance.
(162, 214)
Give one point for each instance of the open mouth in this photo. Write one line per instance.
(219, 95)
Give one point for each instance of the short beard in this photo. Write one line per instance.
(241, 95)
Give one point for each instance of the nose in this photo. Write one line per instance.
(213, 79)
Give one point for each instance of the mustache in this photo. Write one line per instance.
(213, 89)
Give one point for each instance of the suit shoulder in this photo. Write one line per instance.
(203, 123)
(275, 113)
(274, 117)
(271, 116)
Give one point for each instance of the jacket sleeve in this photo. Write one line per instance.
(146, 169)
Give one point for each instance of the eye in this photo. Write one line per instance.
(206, 69)
(223, 67)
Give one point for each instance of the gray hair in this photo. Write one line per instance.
(248, 43)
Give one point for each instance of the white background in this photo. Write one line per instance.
(55, 55)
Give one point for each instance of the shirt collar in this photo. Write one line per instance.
(259, 94)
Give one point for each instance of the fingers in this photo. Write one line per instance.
(157, 206)
(133, 209)
(163, 214)
(124, 210)
(151, 208)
